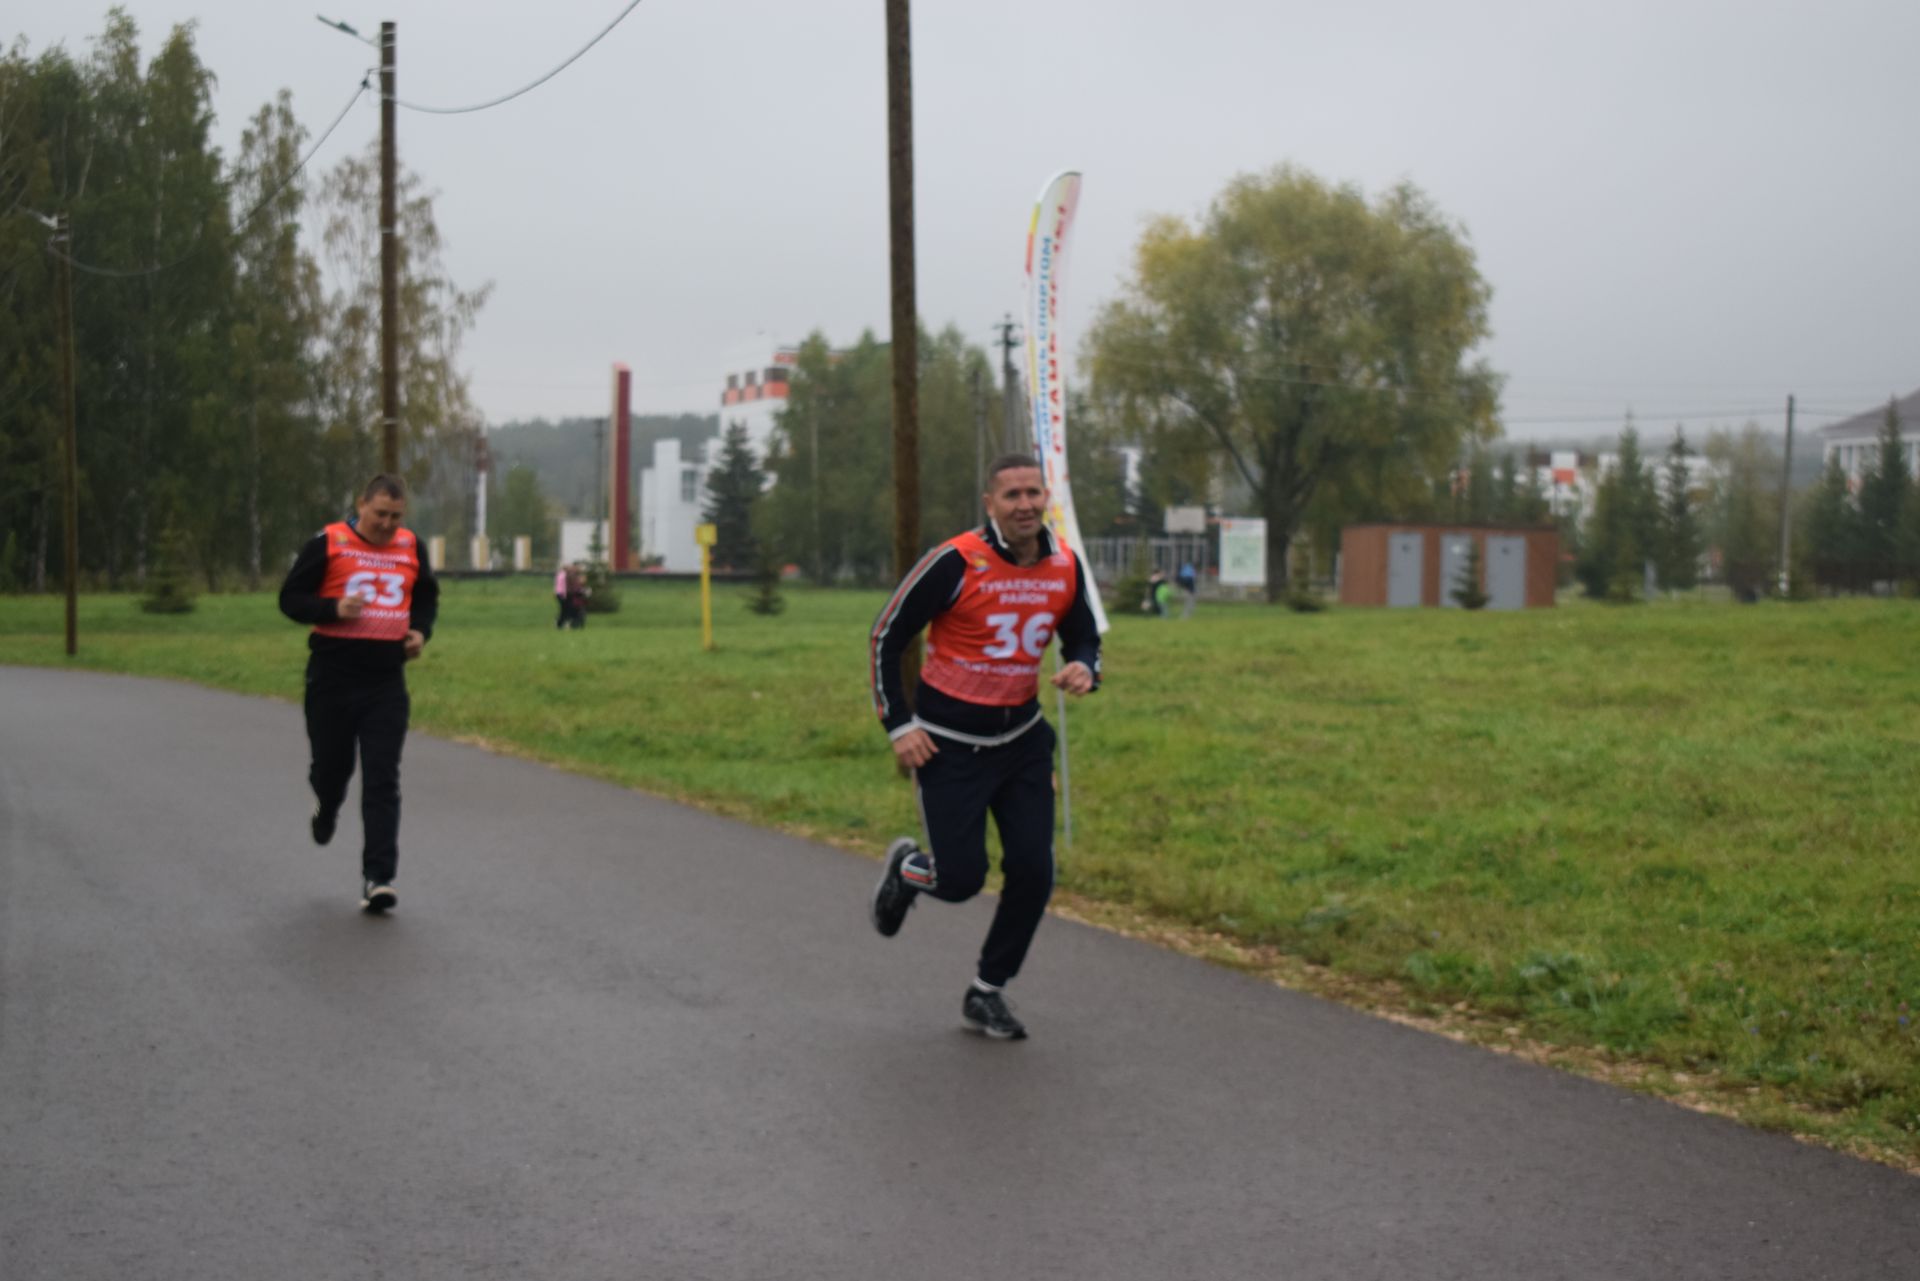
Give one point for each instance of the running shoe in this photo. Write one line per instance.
(893, 896)
(322, 823)
(987, 1012)
(377, 896)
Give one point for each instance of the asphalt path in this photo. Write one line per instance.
(606, 1036)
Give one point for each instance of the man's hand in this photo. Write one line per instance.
(348, 607)
(413, 644)
(914, 748)
(1075, 678)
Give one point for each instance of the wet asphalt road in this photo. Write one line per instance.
(608, 1037)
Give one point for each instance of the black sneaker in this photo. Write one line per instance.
(893, 896)
(987, 1012)
(377, 896)
(322, 823)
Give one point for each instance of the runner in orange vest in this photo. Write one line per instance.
(371, 598)
(975, 739)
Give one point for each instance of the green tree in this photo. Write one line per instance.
(1831, 531)
(830, 509)
(733, 490)
(1679, 539)
(1743, 509)
(523, 509)
(1309, 337)
(1479, 496)
(1884, 496)
(1621, 536)
(1465, 589)
(262, 422)
(1506, 489)
(41, 100)
(1529, 502)
(438, 421)
(153, 220)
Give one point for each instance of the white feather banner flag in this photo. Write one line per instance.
(1046, 263)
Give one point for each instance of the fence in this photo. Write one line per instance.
(1111, 559)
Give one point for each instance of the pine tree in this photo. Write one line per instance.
(1831, 531)
(1883, 498)
(1679, 530)
(1623, 533)
(733, 490)
(766, 599)
(1467, 592)
(1745, 511)
(602, 596)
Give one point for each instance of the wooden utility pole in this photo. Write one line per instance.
(979, 432)
(63, 255)
(906, 312)
(389, 266)
(1014, 431)
(1786, 508)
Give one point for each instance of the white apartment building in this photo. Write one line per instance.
(1856, 440)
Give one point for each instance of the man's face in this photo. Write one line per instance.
(380, 518)
(1017, 502)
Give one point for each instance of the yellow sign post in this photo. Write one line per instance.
(706, 536)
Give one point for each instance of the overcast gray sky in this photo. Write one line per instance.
(1689, 208)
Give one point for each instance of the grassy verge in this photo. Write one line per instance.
(1672, 845)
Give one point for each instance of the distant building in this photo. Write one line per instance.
(673, 491)
(1856, 440)
(1562, 476)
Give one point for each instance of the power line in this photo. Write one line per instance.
(509, 97)
(115, 273)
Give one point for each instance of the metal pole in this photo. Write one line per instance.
(63, 237)
(389, 266)
(1066, 771)
(1786, 507)
(906, 315)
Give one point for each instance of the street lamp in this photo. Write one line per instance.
(337, 25)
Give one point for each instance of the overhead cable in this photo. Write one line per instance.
(509, 97)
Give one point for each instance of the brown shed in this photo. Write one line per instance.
(1407, 564)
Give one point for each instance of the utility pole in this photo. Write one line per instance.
(389, 266)
(979, 432)
(906, 311)
(1013, 435)
(1786, 507)
(63, 255)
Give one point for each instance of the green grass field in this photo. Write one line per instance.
(1678, 838)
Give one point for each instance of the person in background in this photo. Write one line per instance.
(577, 593)
(1189, 585)
(560, 593)
(1159, 594)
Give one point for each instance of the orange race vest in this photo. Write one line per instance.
(383, 577)
(986, 647)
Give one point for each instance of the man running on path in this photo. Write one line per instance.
(975, 739)
(371, 601)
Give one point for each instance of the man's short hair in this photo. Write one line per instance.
(1008, 462)
(387, 483)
